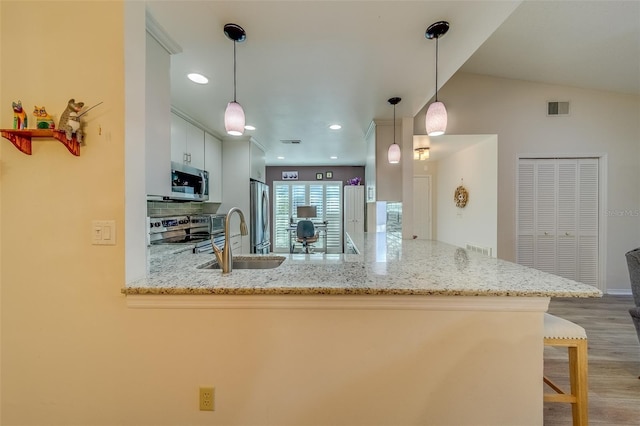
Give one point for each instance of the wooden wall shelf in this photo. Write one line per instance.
(22, 139)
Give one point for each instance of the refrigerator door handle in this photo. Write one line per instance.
(265, 210)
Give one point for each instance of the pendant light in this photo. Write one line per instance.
(393, 155)
(436, 119)
(234, 115)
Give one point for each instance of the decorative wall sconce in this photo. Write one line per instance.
(234, 119)
(421, 153)
(461, 196)
(421, 147)
(436, 119)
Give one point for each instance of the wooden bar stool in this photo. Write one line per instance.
(563, 333)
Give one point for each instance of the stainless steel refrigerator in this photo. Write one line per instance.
(259, 218)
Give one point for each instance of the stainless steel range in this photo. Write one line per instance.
(199, 230)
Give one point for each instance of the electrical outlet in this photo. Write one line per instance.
(206, 399)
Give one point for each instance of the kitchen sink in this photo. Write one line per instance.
(257, 262)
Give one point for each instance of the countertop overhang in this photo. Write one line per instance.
(386, 265)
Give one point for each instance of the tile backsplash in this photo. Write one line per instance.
(172, 208)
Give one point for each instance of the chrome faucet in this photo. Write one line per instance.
(224, 256)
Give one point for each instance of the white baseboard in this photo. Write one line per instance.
(618, 292)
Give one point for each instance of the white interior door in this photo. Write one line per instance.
(422, 207)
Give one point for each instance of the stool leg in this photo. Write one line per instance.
(579, 386)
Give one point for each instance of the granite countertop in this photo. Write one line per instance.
(386, 265)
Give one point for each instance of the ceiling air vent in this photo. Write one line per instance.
(558, 108)
(291, 141)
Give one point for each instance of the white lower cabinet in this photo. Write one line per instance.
(236, 244)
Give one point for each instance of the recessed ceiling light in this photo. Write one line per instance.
(280, 157)
(198, 78)
(249, 127)
(335, 127)
(333, 157)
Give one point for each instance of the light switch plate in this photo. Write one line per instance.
(103, 232)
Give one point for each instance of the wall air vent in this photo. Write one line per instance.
(558, 108)
(479, 249)
(291, 141)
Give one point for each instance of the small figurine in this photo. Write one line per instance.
(19, 116)
(70, 121)
(43, 119)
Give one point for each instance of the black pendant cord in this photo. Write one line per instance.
(234, 71)
(394, 124)
(436, 69)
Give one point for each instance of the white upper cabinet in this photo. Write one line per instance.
(178, 139)
(213, 164)
(187, 143)
(157, 113)
(193, 146)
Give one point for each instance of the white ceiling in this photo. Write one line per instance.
(589, 44)
(308, 64)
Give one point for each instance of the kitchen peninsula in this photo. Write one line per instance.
(406, 332)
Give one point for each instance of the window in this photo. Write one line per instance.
(327, 197)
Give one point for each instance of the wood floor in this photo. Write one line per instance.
(614, 361)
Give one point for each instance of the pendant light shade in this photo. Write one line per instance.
(234, 120)
(436, 118)
(393, 154)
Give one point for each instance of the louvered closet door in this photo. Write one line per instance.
(567, 218)
(545, 215)
(525, 251)
(588, 205)
(557, 223)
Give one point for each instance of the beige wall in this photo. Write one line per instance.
(60, 300)
(74, 354)
(388, 182)
(475, 168)
(600, 123)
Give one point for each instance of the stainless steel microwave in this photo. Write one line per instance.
(189, 183)
(216, 223)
